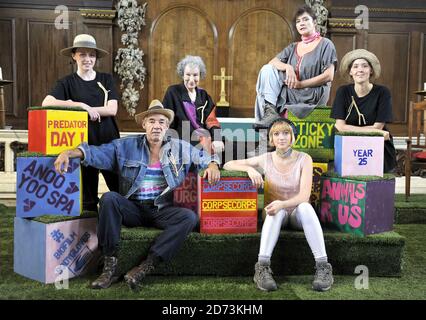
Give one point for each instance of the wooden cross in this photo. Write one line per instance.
(222, 102)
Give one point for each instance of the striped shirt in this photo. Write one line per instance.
(152, 185)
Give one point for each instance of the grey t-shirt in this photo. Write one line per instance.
(301, 102)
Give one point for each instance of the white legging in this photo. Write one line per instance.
(302, 218)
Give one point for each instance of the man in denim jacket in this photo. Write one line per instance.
(149, 169)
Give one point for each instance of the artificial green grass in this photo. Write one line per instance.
(412, 211)
(410, 215)
(412, 284)
(27, 154)
(415, 201)
(228, 173)
(386, 176)
(56, 108)
(233, 254)
(353, 133)
(52, 218)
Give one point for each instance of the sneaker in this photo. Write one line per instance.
(263, 277)
(135, 276)
(109, 274)
(323, 277)
(269, 116)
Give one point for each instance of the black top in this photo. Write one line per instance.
(72, 87)
(176, 97)
(376, 106)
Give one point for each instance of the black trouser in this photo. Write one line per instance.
(115, 210)
(90, 178)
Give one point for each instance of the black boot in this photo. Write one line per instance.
(135, 276)
(109, 274)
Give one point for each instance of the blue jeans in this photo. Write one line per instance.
(116, 210)
(90, 178)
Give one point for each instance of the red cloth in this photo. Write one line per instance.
(420, 156)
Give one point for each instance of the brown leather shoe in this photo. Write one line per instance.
(109, 274)
(138, 273)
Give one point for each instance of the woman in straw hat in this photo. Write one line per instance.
(94, 92)
(363, 106)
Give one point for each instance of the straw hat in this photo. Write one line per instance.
(156, 107)
(351, 56)
(84, 41)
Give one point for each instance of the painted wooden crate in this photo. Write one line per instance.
(186, 194)
(53, 131)
(230, 206)
(40, 190)
(360, 207)
(319, 168)
(316, 133)
(358, 155)
(50, 252)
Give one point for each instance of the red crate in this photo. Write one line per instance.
(230, 206)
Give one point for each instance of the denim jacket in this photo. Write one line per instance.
(129, 158)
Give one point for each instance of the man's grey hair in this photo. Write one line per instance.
(192, 61)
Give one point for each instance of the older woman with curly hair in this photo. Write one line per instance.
(195, 112)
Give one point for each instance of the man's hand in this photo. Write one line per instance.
(218, 146)
(212, 173)
(63, 160)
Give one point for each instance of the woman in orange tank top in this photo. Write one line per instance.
(288, 182)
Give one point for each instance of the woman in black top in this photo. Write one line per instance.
(95, 92)
(195, 112)
(363, 106)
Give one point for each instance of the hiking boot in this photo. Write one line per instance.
(135, 276)
(109, 274)
(323, 277)
(263, 277)
(269, 116)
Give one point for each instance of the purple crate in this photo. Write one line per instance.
(358, 207)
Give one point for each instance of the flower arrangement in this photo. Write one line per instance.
(128, 61)
(322, 14)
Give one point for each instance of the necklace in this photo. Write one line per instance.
(284, 154)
